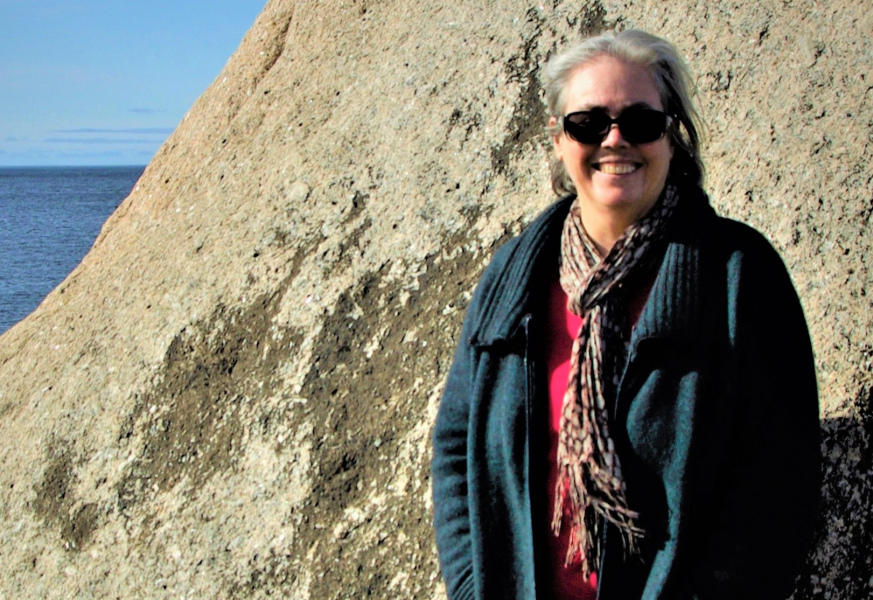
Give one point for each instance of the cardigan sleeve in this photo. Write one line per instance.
(449, 474)
(767, 514)
(452, 465)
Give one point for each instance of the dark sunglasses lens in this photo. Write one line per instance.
(642, 125)
(638, 125)
(587, 127)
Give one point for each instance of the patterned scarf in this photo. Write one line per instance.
(589, 474)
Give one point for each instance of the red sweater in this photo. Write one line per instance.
(567, 582)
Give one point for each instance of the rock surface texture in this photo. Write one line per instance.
(232, 395)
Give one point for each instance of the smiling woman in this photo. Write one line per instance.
(632, 407)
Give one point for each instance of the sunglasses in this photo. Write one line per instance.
(637, 125)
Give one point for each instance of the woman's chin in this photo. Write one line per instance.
(621, 201)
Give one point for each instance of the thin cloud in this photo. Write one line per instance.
(113, 153)
(97, 141)
(133, 130)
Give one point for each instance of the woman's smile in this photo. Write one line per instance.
(616, 167)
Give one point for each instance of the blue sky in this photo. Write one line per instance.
(104, 82)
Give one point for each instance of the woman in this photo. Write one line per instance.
(632, 408)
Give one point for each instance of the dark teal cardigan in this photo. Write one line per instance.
(715, 422)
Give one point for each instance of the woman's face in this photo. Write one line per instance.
(614, 178)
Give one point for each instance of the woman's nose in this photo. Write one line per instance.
(613, 137)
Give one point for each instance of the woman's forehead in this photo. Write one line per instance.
(612, 84)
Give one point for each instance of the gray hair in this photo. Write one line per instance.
(672, 78)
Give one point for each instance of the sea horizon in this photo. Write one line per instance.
(113, 166)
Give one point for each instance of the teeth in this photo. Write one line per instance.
(617, 168)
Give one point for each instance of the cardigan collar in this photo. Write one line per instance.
(521, 278)
(672, 310)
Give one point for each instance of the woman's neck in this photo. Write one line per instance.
(604, 224)
(605, 229)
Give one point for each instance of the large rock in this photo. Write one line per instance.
(232, 395)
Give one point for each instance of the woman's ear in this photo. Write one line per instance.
(556, 139)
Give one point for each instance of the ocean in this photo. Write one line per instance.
(49, 219)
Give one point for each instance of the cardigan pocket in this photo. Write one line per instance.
(466, 590)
